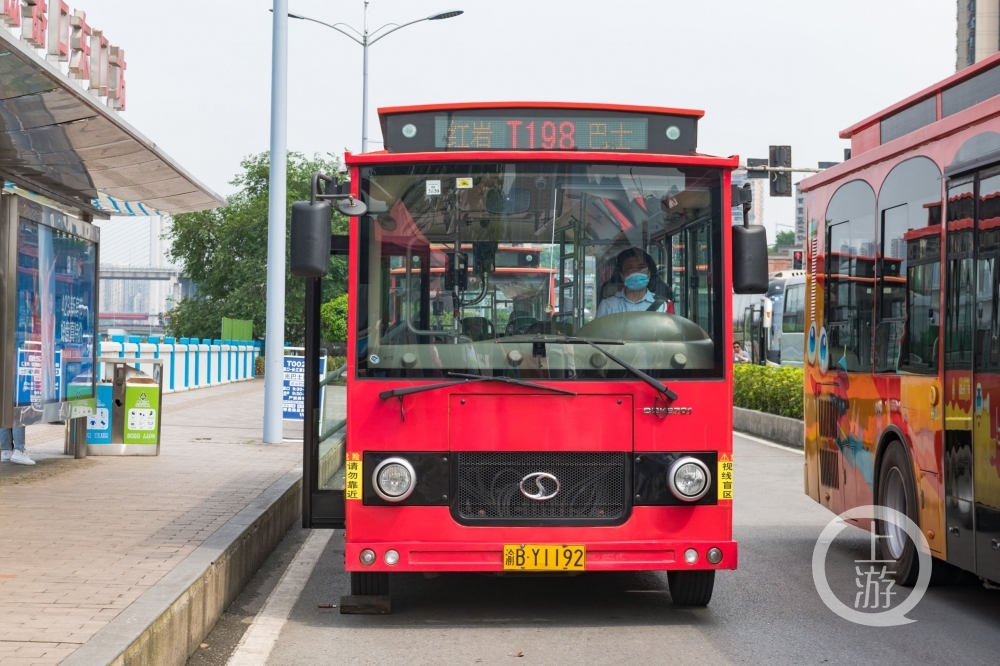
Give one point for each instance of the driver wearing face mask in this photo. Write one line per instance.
(636, 269)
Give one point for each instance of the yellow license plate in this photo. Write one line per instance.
(535, 557)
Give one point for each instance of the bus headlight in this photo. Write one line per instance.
(394, 479)
(689, 479)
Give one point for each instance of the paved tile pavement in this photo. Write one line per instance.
(79, 546)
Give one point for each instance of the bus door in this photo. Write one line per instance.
(986, 379)
(972, 382)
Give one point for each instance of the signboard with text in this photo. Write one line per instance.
(293, 387)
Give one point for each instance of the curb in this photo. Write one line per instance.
(167, 623)
(781, 429)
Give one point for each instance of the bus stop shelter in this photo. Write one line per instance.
(67, 157)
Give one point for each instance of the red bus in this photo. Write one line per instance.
(538, 374)
(902, 353)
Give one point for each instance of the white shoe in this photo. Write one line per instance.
(21, 458)
(5, 455)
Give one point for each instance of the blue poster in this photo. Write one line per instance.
(29, 385)
(99, 423)
(56, 286)
(293, 389)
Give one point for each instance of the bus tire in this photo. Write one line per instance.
(896, 490)
(369, 583)
(691, 588)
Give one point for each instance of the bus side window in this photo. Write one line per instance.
(850, 277)
(906, 331)
(793, 317)
(891, 288)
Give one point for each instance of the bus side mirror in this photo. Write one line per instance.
(309, 254)
(749, 260)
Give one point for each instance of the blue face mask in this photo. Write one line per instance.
(636, 281)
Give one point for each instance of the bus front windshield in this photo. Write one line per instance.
(482, 268)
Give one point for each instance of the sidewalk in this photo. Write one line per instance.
(80, 540)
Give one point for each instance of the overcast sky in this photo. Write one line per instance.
(765, 71)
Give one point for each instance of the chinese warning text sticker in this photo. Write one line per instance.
(352, 477)
(725, 476)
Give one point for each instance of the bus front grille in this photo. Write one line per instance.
(594, 488)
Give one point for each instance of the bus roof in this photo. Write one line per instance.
(540, 127)
(461, 106)
(964, 98)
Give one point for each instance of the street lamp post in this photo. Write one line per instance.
(274, 332)
(366, 39)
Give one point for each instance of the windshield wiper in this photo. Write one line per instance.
(400, 392)
(510, 380)
(466, 379)
(568, 340)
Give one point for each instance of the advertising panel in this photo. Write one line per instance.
(49, 313)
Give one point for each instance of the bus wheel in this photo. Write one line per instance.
(369, 583)
(691, 588)
(896, 490)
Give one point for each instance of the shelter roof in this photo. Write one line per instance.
(59, 141)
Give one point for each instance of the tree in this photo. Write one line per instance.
(333, 320)
(784, 239)
(224, 252)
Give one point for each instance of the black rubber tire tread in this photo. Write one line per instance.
(691, 588)
(907, 567)
(364, 583)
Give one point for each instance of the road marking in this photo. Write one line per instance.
(258, 641)
(773, 445)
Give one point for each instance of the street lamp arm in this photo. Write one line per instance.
(389, 32)
(335, 27)
(375, 32)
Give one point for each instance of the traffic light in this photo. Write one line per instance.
(781, 181)
(797, 260)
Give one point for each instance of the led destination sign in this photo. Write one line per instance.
(539, 129)
(541, 133)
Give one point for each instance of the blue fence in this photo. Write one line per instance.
(188, 363)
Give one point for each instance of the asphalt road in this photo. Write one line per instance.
(767, 611)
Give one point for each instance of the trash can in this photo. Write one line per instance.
(127, 419)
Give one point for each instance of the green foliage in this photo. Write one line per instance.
(224, 251)
(333, 320)
(784, 239)
(768, 389)
(258, 367)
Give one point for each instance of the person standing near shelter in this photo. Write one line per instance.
(12, 446)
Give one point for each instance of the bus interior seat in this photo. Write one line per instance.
(478, 328)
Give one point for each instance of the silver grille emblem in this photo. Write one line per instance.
(539, 492)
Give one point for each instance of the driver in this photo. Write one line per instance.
(636, 269)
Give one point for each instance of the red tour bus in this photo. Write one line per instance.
(902, 354)
(539, 364)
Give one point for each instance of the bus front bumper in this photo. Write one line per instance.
(428, 556)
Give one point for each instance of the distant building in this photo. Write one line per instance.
(757, 208)
(138, 283)
(978, 34)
